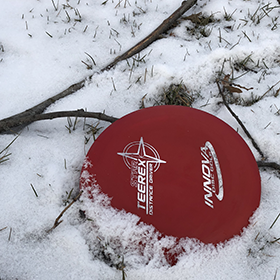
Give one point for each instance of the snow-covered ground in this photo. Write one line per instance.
(42, 44)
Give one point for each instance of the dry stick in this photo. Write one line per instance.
(19, 121)
(165, 26)
(78, 113)
(273, 165)
(240, 123)
(261, 164)
(57, 221)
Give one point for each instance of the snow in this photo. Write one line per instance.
(41, 50)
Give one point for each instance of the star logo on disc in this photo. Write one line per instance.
(141, 152)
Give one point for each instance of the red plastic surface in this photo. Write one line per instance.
(180, 169)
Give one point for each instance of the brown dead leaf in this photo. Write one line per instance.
(232, 87)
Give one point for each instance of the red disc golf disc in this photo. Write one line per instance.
(182, 170)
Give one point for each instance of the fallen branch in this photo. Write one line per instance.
(17, 122)
(79, 113)
(164, 27)
(57, 221)
(29, 118)
(13, 124)
(256, 146)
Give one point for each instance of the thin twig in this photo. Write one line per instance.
(13, 124)
(57, 221)
(273, 165)
(240, 122)
(269, 90)
(261, 164)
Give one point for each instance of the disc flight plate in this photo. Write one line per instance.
(182, 170)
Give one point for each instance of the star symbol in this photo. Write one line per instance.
(141, 154)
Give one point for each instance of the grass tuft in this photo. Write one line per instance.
(110, 253)
(200, 24)
(228, 17)
(4, 155)
(175, 94)
(68, 196)
(260, 13)
(71, 126)
(92, 130)
(90, 61)
(263, 243)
